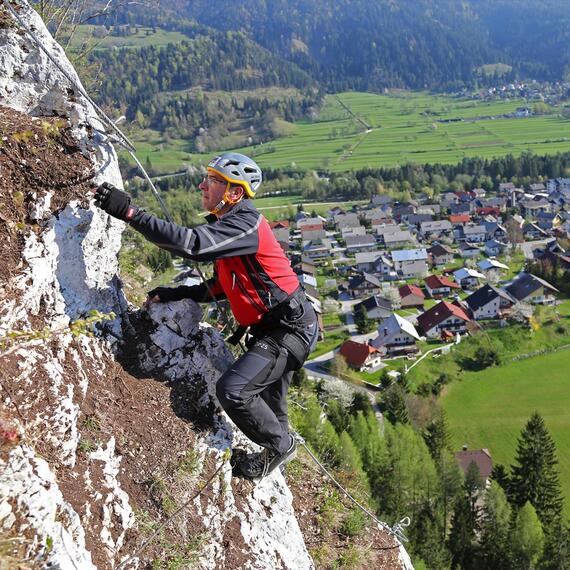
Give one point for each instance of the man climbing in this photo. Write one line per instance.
(253, 273)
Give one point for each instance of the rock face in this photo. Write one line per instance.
(71, 490)
(113, 449)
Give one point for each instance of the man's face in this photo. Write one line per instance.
(213, 188)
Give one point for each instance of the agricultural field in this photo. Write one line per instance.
(86, 35)
(355, 130)
(489, 408)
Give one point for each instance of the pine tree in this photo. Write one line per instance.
(495, 520)
(556, 554)
(535, 476)
(437, 436)
(527, 538)
(394, 403)
(473, 485)
(461, 541)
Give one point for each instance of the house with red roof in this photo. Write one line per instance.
(460, 219)
(438, 286)
(360, 356)
(443, 317)
(412, 297)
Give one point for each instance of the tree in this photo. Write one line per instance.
(461, 541)
(495, 520)
(535, 474)
(527, 538)
(351, 461)
(437, 437)
(473, 485)
(361, 403)
(556, 553)
(394, 404)
(364, 324)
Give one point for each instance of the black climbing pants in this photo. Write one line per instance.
(253, 392)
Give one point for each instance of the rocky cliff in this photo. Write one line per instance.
(113, 450)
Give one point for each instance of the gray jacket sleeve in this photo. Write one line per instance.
(229, 236)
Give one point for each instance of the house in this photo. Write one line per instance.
(353, 231)
(397, 336)
(310, 224)
(309, 233)
(402, 212)
(349, 220)
(356, 244)
(530, 208)
(305, 267)
(434, 230)
(440, 255)
(319, 249)
(281, 233)
(398, 239)
(455, 209)
(365, 284)
(305, 279)
(489, 302)
(467, 278)
(360, 356)
(375, 307)
(473, 234)
(443, 317)
(382, 230)
(415, 220)
(533, 231)
(494, 230)
(412, 297)
(532, 289)
(432, 209)
(481, 458)
(410, 262)
(438, 286)
(494, 248)
(375, 262)
(468, 250)
(492, 267)
(558, 184)
(459, 219)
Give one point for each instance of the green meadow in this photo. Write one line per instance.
(402, 127)
(490, 408)
(84, 35)
(405, 127)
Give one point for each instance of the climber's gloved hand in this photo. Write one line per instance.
(115, 202)
(167, 294)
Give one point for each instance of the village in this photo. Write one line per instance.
(398, 274)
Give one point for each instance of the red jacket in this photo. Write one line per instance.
(250, 268)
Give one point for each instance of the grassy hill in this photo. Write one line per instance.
(490, 408)
(355, 130)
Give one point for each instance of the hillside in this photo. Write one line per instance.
(368, 46)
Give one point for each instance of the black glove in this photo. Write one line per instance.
(166, 294)
(115, 202)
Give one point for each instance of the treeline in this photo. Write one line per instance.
(165, 88)
(403, 182)
(360, 45)
(402, 471)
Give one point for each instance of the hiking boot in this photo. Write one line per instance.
(258, 465)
